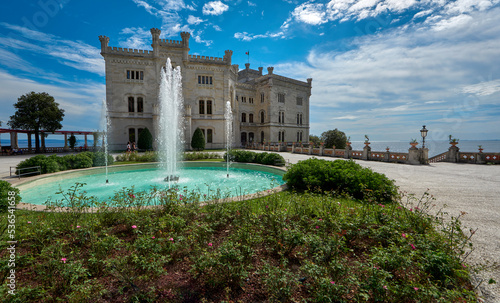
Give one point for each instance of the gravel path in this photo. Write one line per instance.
(474, 189)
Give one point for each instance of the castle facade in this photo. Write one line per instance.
(266, 107)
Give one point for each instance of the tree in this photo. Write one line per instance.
(72, 141)
(198, 140)
(37, 112)
(315, 140)
(335, 138)
(145, 140)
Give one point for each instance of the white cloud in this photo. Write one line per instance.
(139, 38)
(251, 3)
(194, 20)
(483, 88)
(310, 13)
(214, 8)
(217, 28)
(76, 54)
(454, 23)
(244, 36)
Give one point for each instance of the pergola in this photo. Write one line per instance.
(14, 144)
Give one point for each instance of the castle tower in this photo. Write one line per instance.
(185, 45)
(104, 43)
(155, 33)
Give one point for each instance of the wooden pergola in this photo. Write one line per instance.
(14, 143)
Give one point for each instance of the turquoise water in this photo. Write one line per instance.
(204, 180)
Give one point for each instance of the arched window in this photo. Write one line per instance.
(243, 117)
(243, 138)
(202, 107)
(131, 135)
(250, 118)
(262, 116)
(250, 137)
(140, 105)
(261, 137)
(209, 107)
(130, 104)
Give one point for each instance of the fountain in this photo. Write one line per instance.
(104, 128)
(170, 143)
(228, 115)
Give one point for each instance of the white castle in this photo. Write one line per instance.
(266, 108)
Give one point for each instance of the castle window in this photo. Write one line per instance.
(299, 101)
(205, 80)
(262, 98)
(299, 119)
(209, 136)
(281, 117)
(250, 118)
(281, 136)
(299, 136)
(250, 100)
(140, 105)
(262, 116)
(281, 98)
(202, 107)
(243, 117)
(130, 104)
(262, 137)
(209, 107)
(243, 99)
(135, 75)
(250, 137)
(131, 135)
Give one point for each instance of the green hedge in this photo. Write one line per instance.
(6, 191)
(253, 157)
(54, 163)
(342, 178)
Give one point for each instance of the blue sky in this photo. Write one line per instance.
(379, 67)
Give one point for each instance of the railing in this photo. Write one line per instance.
(17, 171)
(439, 158)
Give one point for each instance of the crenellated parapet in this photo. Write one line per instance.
(227, 56)
(171, 43)
(129, 51)
(206, 59)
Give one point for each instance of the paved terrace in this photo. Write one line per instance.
(474, 189)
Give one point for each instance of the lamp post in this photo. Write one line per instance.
(423, 132)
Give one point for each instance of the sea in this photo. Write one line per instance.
(435, 147)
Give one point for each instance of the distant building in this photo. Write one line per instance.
(266, 108)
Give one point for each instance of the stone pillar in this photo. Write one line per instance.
(13, 140)
(322, 149)
(66, 147)
(310, 151)
(387, 156)
(29, 143)
(453, 154)
(424, 156)
(293, 147)
(413, 155)
(348, 150)
(85, 142)
(366, 152)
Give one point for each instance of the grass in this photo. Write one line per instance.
(286, 247)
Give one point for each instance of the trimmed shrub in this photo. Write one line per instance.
(145, 140)
(341, 178)
(198, 140)
(253, 157)
(6, 191)
(54, 163)
(99, 159)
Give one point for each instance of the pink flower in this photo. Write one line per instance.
(133, 226)
(332, 282)
(320, 219)
(171, 239)
(286, 228)
(152, 237)
(64, 260)
(412, 246)
(78, 226)
(385, 286)
(29, 222)
(404, 236)
(415, 288)
(317, 226)
(210, 244)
